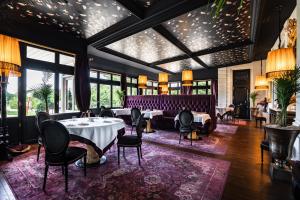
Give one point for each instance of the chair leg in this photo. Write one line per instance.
(84, 162)
(179, 138)
(118, 155)
(131, 129)
(45, 176)
(38, 153)
(138, 152)
(191, 138)
(141, 151)
(123, 151)
(66, 178)
(62, 169)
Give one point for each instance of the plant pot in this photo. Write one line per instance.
(281, 141)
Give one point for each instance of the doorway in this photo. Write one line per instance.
(241, 92)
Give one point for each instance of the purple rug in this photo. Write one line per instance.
(215, 143)
(164, 174)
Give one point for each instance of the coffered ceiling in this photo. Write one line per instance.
(167, 35)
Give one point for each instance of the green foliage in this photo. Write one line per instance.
(120, 96)
(219, 5)
(286, 86)
(43, 92)
(253, 96)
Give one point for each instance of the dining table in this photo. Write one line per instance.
(148, 116)
(98, 133)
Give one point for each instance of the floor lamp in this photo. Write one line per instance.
(10, 62)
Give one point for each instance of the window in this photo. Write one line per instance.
(105, 95)
(40, 54)
(93, 74)
(105, 76)
(38, 84)
(67, 101)
(175, 88)
(131, 86)
(116, 101)
(12, 97)
(151, 88)
(116, 77)
(66, 60)
(93, 103)
(202, 87)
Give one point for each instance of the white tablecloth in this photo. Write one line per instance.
(198, 117)
(122, 111)
(147, 113)
(101, 131)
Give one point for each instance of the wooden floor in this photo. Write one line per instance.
(247, 180)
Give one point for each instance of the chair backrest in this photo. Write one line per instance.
(135, 114)
(186, 118)
(106, 113)
(40, 117)
(141, 125)
(56, 138)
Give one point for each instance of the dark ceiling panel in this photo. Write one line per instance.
(199, 30)
(226, 58)
(145, 3)
(81, 17)
(148, 46)
(178, 66)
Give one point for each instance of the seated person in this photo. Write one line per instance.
(228, 111)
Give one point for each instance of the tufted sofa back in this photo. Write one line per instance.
(172, 104)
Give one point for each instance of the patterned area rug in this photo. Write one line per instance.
(163, 174)
(215, 143)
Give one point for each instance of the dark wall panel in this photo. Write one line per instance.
(198, 75)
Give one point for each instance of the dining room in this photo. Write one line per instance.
(147, 99)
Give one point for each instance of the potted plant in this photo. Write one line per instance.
(281, 135)
(253, 96)
(43, 92)
(121, 96)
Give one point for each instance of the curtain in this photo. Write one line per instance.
(82, 80)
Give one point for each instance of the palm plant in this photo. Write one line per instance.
(44, 90)
(253, 96)
(286, 86)
(219, 4)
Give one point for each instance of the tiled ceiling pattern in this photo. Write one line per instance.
(223, 58)
(148, 46)
(178, 66)
(199, 30)
(81, 17)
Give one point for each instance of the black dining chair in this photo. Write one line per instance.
(186, 120)
(135, 115)
(107, 113)
(132, 140)
(40, 117)
(56, 140)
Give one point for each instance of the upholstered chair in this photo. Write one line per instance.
(186, 120)
(40, 117)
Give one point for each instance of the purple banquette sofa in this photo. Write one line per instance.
(171, 105)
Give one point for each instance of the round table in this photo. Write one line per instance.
(96, 132)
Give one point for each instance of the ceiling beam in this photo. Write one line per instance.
(115, 53)
(157, 14)
(232, 64)
(133, 8)
(168, 60)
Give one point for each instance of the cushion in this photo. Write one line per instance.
(129, 140)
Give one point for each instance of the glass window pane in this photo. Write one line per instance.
(149, 91)
(66, 60)
(208, 82)
(128, 91)
(38, 85)
(69, 95)
(149, 83)
(179, 91)
(194, 91)
(174, 84)
(195, 83)
(40, 54)
(155, 92)
(134, 91)
(105, 76)
(93, 74)
(116, 77)
(128, 79)
(209, 92)
(202, 83)
(116, 101)
(173, 92)
(93, 95)
(202, 91)
(67, 100)
(134, 81)
(105, 95)
(155, 84)
(12, 97)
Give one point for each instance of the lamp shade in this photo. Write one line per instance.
(261, 83)
(165, 89)
(187, 78)
(280, 61)
(163, 79)
(142, 81)
(10, 59)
